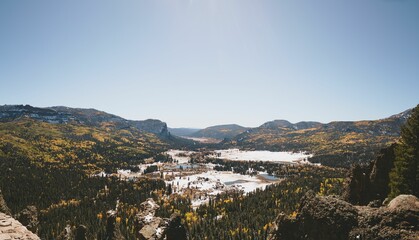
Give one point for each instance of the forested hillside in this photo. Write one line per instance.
(74, 145)
(57, 167)
(219, 132)
(333, 144)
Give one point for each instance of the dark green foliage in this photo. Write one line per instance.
(219, 132)
(359, 188)
(249, 217)
(150, 169)
(404, 178)
(69, 196)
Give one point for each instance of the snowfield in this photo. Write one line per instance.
(201, 183)
(214, 180)
(211, 183)
(267, 156)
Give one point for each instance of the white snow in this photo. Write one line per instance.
(159, 232)
(211, 183)
(267, 156)
(124, 171)
(148, 218)
(152, 204)
(244, 182)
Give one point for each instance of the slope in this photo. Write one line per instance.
(219, 131)
(334, 144)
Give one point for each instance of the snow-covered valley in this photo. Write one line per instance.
(200, 181)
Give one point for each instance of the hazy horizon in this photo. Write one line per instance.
(202, 63)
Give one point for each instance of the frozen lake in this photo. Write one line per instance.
(266, 156)
(211, 183)
(205, 183)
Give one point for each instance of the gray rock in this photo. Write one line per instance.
(11, 229)
(327, 218)
(404, 202)
(150, 227)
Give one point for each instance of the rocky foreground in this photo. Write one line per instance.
(147, 225)
(11, 229)
(330, 218)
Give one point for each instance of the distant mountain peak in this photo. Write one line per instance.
(277, 124)
(220, 131)
(403, 115)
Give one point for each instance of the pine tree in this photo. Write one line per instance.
(404, 177)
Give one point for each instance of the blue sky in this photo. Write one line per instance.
(196, 63)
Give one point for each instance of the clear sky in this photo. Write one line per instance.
(196, 63)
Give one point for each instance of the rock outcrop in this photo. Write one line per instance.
(357, 185)
(380, 173)
(370, 182)
(90, 117)
(11, 229)
(328, 218)
(150, 227)
(147, 224)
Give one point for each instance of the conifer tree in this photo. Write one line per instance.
(404, 176)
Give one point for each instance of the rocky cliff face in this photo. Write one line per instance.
(11, 229)
(90, 117)
(150, 227)
(329, 218)
(152, 125)
(367, 183)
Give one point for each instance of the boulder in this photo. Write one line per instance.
(326, 218)
(404, 203)
(331, 218)
(147, 224)
(150, 227)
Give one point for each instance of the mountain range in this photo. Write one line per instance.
(218, 132)
(89, 117)
(337, 143)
